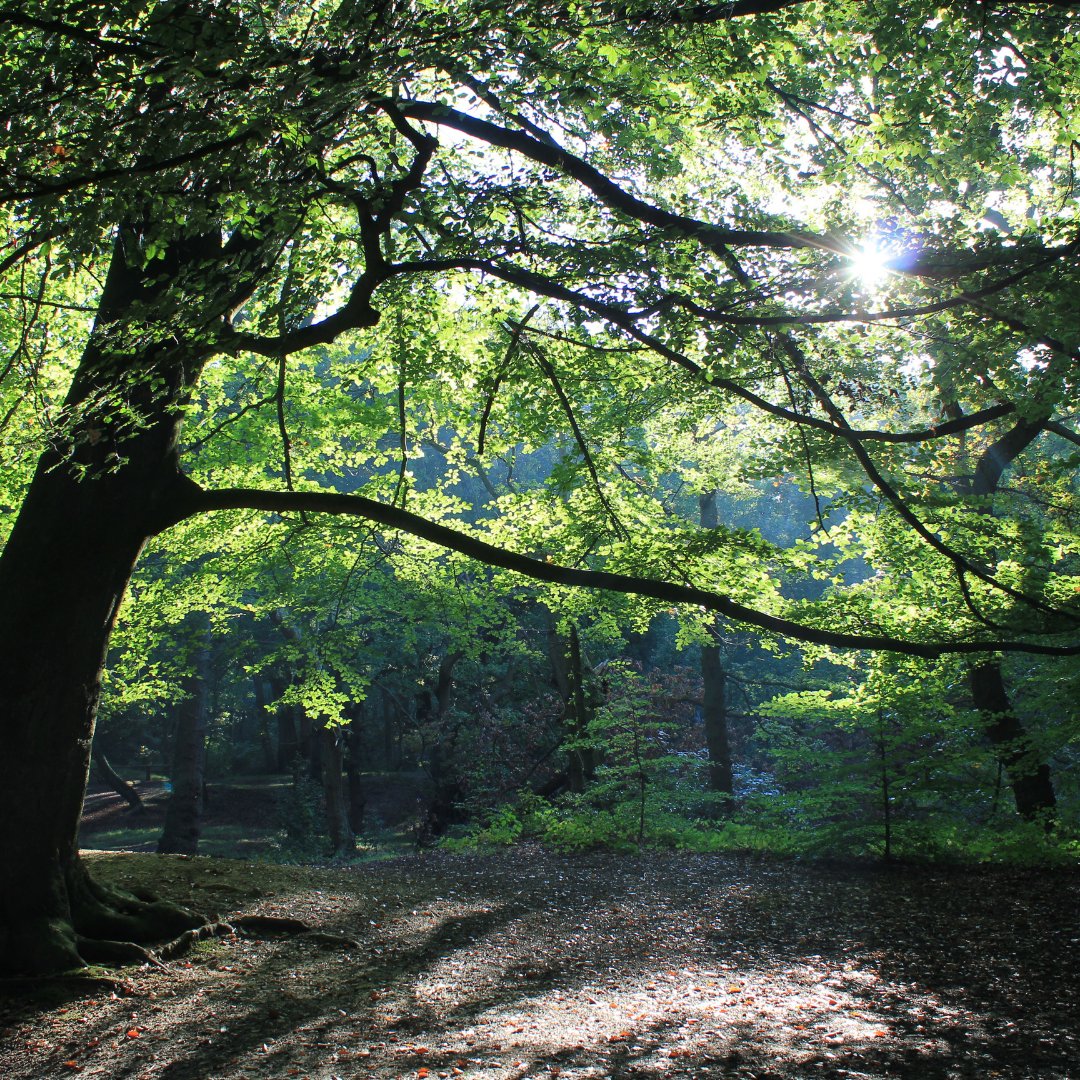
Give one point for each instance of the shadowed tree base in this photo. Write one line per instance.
(106, 925)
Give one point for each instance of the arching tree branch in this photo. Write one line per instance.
(198, 500)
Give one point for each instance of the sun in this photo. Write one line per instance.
(868, 264)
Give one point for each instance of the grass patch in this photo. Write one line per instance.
(219, 841)
(132, 839)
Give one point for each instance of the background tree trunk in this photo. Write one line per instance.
(354, 760)
(266, 741)
(582, 755)
(337, 811)
(288, 745)
(1029, 778)
(184, 811)
(432, 708)
(714, 687)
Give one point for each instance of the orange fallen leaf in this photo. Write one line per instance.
(423, 1072)
(133, 1033)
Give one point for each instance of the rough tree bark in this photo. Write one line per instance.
(86, 516)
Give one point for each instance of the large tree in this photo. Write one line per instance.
(646, 213)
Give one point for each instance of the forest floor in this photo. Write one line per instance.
(524, 963)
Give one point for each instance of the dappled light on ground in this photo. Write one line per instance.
(526, 964)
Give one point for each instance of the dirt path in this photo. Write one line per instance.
(525, 964)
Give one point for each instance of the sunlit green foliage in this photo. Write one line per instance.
(545, 274)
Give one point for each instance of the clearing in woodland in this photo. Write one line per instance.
(523, 963)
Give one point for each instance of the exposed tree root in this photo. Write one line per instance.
(100, 951)
(271, 924)
(85, 922)
(277, 924)
(251, 925)
(153, 918)
(182, 944)
(336, 941)
(109, 915)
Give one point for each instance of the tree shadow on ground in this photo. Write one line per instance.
(528, 964)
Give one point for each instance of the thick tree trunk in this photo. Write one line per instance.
(62, 575)
(714, 688)
(184, 812)
(108, 775)
(89, 510)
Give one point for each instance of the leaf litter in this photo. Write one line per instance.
(524, 963)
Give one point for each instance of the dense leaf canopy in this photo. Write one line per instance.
(690, 248)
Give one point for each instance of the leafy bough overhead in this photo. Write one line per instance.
(394, 517)
(398, 233)
(313, 238)
(523, 266)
